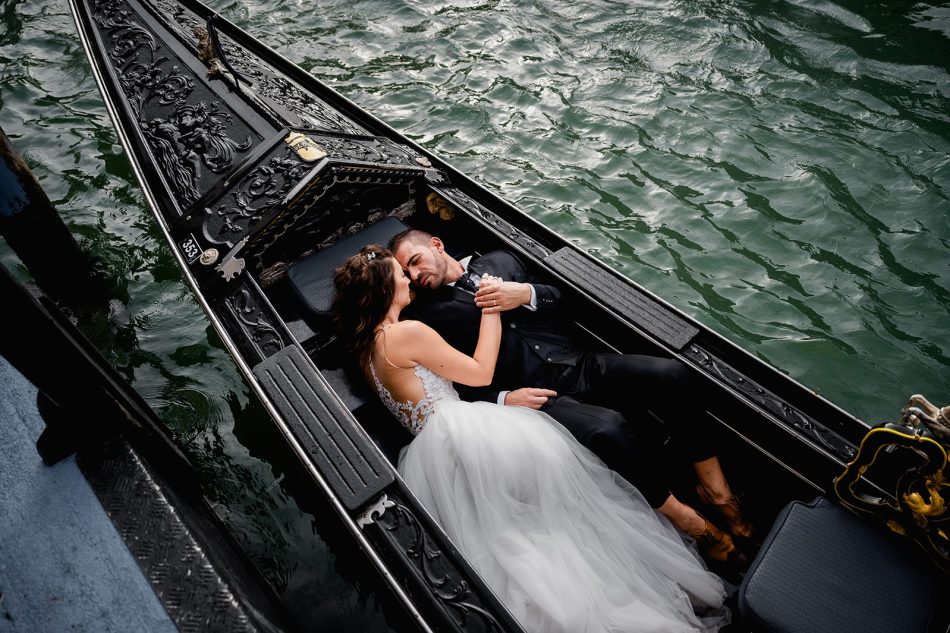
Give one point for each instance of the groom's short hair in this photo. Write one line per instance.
(415, 236)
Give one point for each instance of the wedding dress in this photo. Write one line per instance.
(565, 543)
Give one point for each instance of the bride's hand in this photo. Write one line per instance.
(498, 296)
(487, 281)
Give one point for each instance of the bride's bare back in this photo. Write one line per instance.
(402, 345)
(401, 381)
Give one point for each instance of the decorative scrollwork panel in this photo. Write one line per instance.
(787, 414)
(340, 202)
(230, 216)
(463, 201)
(371, 150)
(255, 329)
(423, 555)
(177, 18)
(192, 134)
(278, 89)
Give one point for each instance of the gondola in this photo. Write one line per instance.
(263, 180)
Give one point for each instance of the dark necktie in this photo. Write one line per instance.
(468, 282)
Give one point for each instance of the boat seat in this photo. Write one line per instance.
(312, 281)
(312, 277)
(822, 569)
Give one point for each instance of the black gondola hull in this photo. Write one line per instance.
(250, 164)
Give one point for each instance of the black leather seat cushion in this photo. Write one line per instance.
(824, 570)
(312, 277)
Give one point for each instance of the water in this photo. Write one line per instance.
(778, 170)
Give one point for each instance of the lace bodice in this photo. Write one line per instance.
(411, 415)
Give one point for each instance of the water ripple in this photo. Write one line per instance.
(781, 171)
(800, 150)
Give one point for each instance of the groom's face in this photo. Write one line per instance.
(424, 262)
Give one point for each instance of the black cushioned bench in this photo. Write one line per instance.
(822, 569)
(312, 277)
(312, 281)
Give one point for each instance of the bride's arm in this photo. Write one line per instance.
(416, 342)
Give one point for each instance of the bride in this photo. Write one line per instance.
(566, 544)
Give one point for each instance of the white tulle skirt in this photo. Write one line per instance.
(566, 544)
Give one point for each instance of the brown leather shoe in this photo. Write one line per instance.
(730, 510)
(719, 546)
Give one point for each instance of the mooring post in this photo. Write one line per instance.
(37, 234)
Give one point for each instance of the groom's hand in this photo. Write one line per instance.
(531, 397)
(506, 295)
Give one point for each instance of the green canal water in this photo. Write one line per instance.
(780, 170)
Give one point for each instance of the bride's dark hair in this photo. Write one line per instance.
(364, 292)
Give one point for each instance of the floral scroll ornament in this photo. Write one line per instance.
(194, 134)
(439, 206)
(908, 461)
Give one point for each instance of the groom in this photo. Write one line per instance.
(601, 398)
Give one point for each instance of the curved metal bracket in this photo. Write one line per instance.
(232, 265)
(916, 468)
(374, 512)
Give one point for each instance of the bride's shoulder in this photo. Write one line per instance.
(411, 331)
(410, 326)
(401, 329)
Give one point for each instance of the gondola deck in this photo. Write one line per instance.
(251, 165)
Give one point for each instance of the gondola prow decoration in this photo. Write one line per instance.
(918, 413)
(907, 487)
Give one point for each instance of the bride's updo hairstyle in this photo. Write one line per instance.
(364, 292)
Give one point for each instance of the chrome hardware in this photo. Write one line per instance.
(231, 265)
(209, 256)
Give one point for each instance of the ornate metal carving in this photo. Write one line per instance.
(272, 85)
(441, 576)
(463, 201)
(232, 265)
(205, 50)
(182, 121)
(437, 205)
(787, 414)
(365, 193)
(209, 256)
(254, 195)
(913, 472)
(262, 336)
(247, 202)
(371, 150)
(177, 18)
(372, 513)
(268, 83)
(306, 148)
(921, 415)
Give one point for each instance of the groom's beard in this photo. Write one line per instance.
(435, 278)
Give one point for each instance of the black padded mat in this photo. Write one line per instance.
(632, 304)
(355, 470)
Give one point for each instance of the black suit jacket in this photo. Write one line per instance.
(531, 341)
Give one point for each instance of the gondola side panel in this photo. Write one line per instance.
(283, 98)
(176, 120)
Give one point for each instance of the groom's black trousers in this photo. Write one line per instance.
(604, 401)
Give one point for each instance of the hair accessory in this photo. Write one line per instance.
(370, 256)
